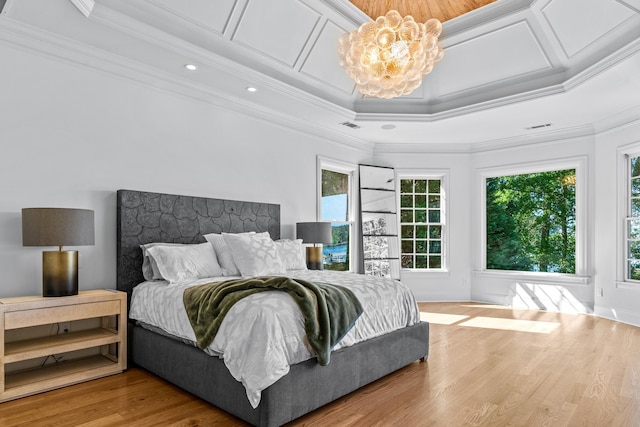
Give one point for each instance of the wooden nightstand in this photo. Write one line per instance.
(105, 312)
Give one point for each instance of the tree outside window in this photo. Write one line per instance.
(531, 222)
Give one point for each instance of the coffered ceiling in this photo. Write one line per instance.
(513, 70)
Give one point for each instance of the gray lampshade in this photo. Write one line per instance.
(314, 232)
(57, 227)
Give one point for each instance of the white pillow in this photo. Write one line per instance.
(186, 262)
(291, 254)
(254, 254)
(223, 253)
(149, 267)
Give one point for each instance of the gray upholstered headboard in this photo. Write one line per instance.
(155, 217)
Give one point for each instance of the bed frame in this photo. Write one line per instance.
(153, 217)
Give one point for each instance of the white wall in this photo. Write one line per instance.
(453, 285)
(72, 136)
(619, 301)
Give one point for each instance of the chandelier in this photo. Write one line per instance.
(390, 56)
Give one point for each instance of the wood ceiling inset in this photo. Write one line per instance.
(421, 10)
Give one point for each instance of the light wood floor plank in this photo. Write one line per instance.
(584, 372)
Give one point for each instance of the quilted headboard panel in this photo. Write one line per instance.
(155, 217)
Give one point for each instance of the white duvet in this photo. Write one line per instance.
(263, 334)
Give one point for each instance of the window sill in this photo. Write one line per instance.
(543, 278)
(628, 285)
(434, 273)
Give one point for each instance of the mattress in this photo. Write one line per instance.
(263, 335)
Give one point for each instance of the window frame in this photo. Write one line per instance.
(625, 154)
(582, 262)
(350, 169)
(443, 176)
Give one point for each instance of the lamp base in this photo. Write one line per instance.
(314, 258)
(59, 273)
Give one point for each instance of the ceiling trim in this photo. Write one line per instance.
(629, 5)
(486, 146)
(619, 121)
(610, 61)
(468, 109)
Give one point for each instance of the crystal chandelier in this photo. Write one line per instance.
(390, 56)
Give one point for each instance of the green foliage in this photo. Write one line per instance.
(531, 222)
(334, 183)
(340, 234)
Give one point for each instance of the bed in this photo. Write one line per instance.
(145, 217)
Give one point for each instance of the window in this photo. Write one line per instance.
(531, 222)
(422, 219)
(632, 234)
(335, 206)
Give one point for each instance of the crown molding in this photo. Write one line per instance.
(418, 148)
(581, 131)
(486, 146)
(606, 63)
(630, 117)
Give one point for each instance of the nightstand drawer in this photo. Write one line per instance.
(38, 316)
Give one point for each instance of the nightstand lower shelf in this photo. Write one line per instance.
(57, 375)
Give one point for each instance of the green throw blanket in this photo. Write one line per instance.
(330, 311)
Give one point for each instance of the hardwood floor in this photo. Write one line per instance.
(488, 366)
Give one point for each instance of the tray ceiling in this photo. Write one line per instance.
(442, 10)
(509, 65)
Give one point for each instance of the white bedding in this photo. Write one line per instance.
(272, 323)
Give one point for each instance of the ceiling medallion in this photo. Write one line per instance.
(390, 56)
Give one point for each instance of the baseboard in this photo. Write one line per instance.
(618, 315)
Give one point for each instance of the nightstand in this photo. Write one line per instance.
(101, 319)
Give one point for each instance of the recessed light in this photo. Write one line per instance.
(190, 67)
(388, 127)
(251, 89)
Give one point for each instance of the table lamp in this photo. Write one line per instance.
(58, 227)
(314, 233)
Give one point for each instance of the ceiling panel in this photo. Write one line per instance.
(319, 64)
(205, 13)
(505, 53)
(576, 31)
(266, 29)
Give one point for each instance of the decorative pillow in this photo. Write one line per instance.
(223, 253)
(254, 254)
(149, 267)
(291, 254)
(186, 262)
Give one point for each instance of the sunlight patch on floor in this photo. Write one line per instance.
(512, 324)
(482, 305)
(441, 318)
